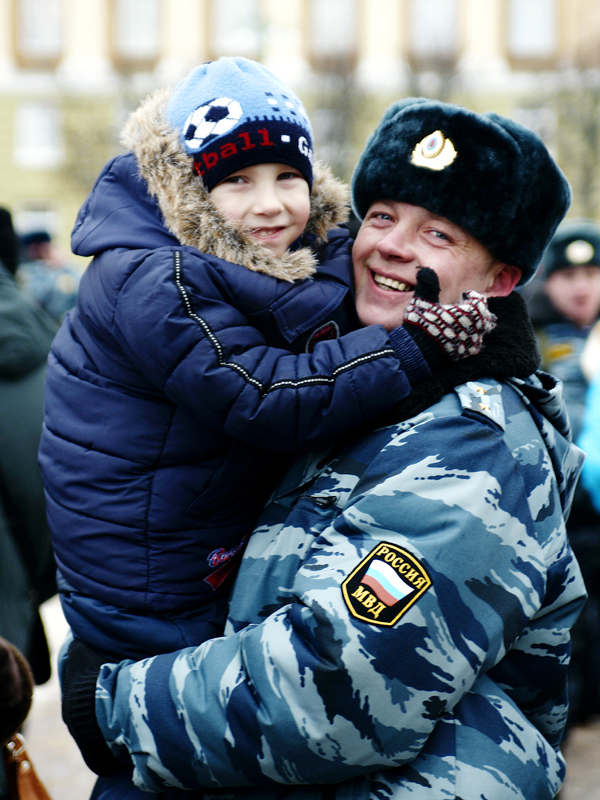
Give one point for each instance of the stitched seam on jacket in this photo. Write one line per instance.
(149, 500)
(261, 387)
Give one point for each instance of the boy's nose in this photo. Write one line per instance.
(267, 201)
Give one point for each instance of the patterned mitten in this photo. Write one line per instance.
(455, 330)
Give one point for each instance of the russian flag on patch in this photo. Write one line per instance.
(387, 584)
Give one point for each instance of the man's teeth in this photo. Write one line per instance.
(390, 283)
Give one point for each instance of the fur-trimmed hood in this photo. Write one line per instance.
(118, 204)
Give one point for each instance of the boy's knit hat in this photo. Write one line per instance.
(234, 113)
(575, 244)
(486, 173)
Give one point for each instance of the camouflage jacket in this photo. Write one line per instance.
(399, 627)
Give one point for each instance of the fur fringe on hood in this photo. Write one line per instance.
(193, 218)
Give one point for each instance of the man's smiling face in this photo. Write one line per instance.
(396, 239)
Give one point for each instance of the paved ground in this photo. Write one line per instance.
(60, 766)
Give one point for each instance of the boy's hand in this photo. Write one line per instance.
(456, 331)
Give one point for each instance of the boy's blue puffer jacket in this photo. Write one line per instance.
(168, 418)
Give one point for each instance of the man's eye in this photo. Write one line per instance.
(441, 235)
(381, 215)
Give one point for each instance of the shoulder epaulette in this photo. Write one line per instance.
(483, 397)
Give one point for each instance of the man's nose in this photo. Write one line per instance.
(397, 243)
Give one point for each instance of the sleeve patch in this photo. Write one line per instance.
(385, 585)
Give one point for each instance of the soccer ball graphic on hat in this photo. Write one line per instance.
(213, 119)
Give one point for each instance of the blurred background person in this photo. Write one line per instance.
(44, 274)
(27, 568)
(9, 242)
(564, 306)
(16, 690)
(26, 560)
(16, 696)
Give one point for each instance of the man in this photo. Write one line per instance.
(565, 305)
(27, 566)
(563, 310)
(45, 276)
(399, 626)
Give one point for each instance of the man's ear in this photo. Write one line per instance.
(505, 280)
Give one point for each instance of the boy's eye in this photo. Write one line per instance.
(233, 179)
(286, 176)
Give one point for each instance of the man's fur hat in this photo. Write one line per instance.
(486, 173)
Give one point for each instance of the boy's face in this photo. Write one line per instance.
(271, 200)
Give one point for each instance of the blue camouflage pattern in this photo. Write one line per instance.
(464, 696)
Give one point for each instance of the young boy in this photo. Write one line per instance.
(197, 356)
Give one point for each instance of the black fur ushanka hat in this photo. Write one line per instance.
(486, 173)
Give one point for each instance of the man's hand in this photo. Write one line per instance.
(457, 330)
(78, 708)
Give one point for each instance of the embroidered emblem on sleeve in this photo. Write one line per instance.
(330, 330)
(385, 585)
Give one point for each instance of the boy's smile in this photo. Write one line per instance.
(271, 200)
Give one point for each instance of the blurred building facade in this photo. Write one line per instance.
(71, 71)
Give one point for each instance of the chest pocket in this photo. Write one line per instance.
(298, 313)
